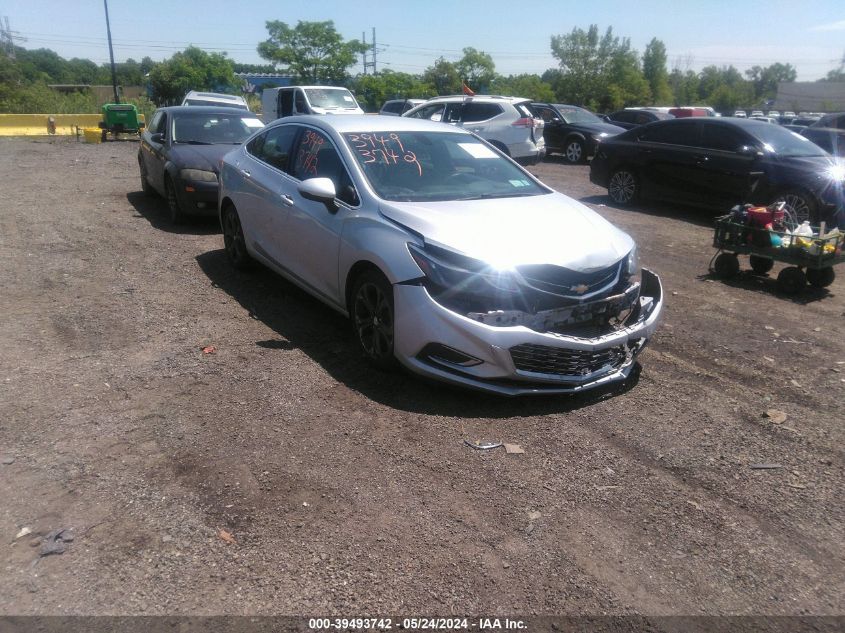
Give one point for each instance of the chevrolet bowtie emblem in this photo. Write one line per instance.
(579, 289)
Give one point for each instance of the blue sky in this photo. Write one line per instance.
(411, 34)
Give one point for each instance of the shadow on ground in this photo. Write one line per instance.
(154, 209)
(304, 323)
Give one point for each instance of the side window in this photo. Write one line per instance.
(642, 118)
(672, 133)
(155, 124)
(300, 104)
(433, 112)
(453, 113)
(285, 102)
(723, 138)
(316, 157)
(547, 114)
(480, 111)
(274, 146)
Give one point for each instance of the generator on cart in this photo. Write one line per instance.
(120, 118)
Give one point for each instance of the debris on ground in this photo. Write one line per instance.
(209, 349)
(776, 416)
(515, 449)
(7, 461)
(483, 445)
(534, 515)
(55, 541)
(226, 536)
(765, 466)
(23, 532)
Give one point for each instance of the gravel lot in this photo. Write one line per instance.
(347, 491)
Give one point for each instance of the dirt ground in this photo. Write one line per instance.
(348, 491)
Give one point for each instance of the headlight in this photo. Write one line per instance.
(198, 175)
(600, 136)
(836, 172)
(463, 274)
(632, 265)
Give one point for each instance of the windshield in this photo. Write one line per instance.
(429, 166)
(573, 114)
(331, 99)
(784, 142)
(211, 128)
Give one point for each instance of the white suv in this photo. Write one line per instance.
(506, 122)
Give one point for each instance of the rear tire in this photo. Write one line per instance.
(373, 318)
(146, 187)
(623, 187)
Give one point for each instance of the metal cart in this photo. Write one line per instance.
(811, 259)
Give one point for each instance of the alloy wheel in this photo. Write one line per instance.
(574, 152)
(373, 315)
(622, 187)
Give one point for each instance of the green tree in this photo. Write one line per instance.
(373, 90)
(476, 68)
(596, 70)
(684, 86)
(525, 85)
(654, 71)
(443, 77)
(192, 69)
(312, 52)
(765, 79)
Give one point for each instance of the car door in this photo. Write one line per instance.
(553, 125)
(728, 168)
(265, 190)
(310, 241)
(154, 152)
(670, 153)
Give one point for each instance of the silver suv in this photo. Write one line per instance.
(506, 122)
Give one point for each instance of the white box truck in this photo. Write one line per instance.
(289, 100)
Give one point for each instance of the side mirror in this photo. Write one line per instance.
(158, 137)
(319, 190)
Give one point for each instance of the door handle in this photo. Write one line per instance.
(702, 159)
(245, 173)
(286, 200)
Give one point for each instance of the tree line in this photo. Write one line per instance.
(600, 71)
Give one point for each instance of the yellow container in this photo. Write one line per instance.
(93, 134)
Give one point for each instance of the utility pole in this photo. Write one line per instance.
(364, 52)
(8, 37)
(111, 54)
(371, 64)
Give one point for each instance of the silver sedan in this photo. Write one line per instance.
(447, 256)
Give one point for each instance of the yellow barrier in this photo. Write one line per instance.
(36, 124)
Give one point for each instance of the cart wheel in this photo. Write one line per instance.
(726, 265)
(104, 136)
(820, 277)
(760, 265)
(791, 280)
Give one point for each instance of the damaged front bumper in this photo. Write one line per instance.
(516, 359)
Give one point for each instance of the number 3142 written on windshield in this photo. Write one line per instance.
(385, 149)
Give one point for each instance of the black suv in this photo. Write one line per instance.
(720, 162)
(572, 131)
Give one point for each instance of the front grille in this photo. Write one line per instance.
(542, 359)
(563, 282)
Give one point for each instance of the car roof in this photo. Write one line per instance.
(348, 123)
(447, 98)
(222, 109)
(214, 95)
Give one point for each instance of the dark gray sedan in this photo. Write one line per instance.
(181, 151)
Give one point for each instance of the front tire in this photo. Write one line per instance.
(623, 187)
(233, 240)
(800, 206)
(146, 187)
(574, 151)
(372, 318)
(177, 216)
(791, 280)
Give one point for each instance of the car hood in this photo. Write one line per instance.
(205, 157)
(508, 232)
(598, 128)
(811, 168)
